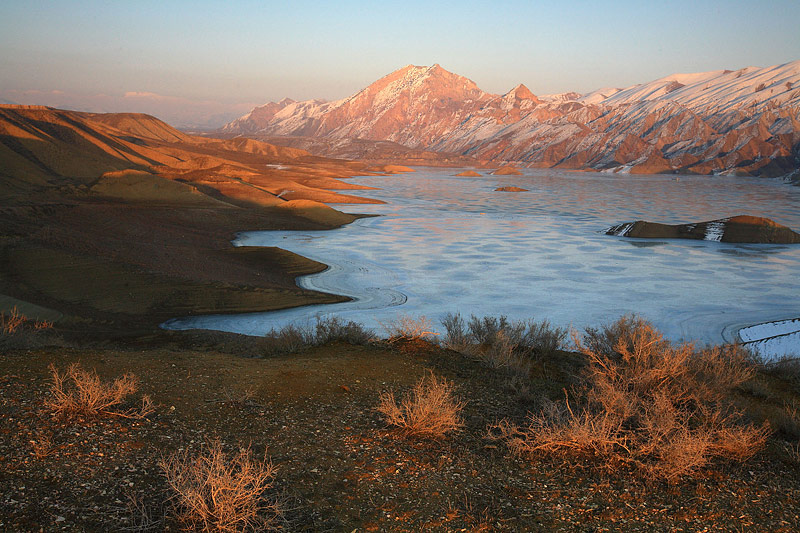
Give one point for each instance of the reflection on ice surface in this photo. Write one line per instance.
(448, 244)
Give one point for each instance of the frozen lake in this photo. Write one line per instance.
(452, 244)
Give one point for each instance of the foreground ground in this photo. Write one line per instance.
(340, 467)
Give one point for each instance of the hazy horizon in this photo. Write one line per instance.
(199, 63)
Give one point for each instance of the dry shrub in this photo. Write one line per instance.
(18, 331)
(332, 328)
(81, 392)
(786, 419)
(15, 322)
(786, 369)
(663, 407)
(501, 343)
(428, 410)
(294, 338)
(43, 445)
(216, 491)
(407, 328)
(240, 398)
(289, 339)
(9, 324)
(793, 451)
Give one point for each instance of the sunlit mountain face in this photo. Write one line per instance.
(744, 122)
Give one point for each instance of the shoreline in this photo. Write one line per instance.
(103, 286)
(715, 334)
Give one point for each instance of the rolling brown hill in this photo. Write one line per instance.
(116, 222)
(42, 147)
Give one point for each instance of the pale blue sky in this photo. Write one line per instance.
(229, 55)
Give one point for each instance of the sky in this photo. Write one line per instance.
(201, 63)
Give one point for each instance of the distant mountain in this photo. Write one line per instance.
(732, 122)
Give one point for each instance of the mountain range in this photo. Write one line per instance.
(744, 122)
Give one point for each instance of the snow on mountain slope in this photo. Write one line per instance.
(745, 121)
(721, 90)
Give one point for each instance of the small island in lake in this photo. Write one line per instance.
(738, 229)
(511, 189)
(507, 170)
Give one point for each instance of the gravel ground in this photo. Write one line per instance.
(340, 468)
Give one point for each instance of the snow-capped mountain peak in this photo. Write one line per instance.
(743, 121)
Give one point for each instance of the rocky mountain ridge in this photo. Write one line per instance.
(720, 122)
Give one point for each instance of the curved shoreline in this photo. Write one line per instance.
(332, 281)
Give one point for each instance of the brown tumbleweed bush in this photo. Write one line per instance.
(81, 392)
(430, 409)
(13, 321)
(665, 408)
(406, 327)
(217, 491)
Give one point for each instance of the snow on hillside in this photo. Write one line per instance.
(720, 89)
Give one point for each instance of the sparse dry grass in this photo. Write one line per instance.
(216, 491)
(429, 410)
(81, 392)
(662, 407)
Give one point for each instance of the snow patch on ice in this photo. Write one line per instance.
(769, 329)
(621, 230)
(773, 340)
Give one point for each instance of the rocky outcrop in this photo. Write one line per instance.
(511, 189)
(739, 229)
(469, 174)
(743, 122)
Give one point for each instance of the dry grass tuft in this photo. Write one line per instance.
(81, 392)
(215, 491)
(428, 410)
(662, 407)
